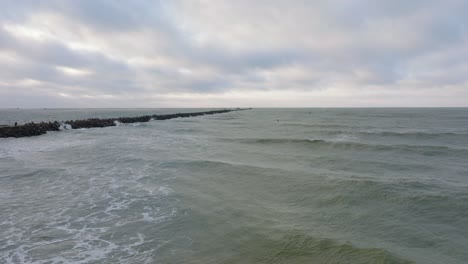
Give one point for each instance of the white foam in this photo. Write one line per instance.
(344, 138)
(64, 126)
(94, 206)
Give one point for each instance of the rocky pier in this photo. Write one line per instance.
(36, 129)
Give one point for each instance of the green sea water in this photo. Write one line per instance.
(257, 186)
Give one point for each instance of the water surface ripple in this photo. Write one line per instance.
(259, 186)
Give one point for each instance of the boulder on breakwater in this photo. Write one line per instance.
(29, 129)
(90, 123)
(36, 129)
(127, 120)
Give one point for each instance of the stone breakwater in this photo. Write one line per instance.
(29, 129)
(36, 129)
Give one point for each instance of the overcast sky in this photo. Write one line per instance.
(270, 53)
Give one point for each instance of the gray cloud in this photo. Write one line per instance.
(154, 53)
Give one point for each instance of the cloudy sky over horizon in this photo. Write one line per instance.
(198, 53)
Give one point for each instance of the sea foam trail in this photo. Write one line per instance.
(36, 129)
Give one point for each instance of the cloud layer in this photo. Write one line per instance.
(233, 53)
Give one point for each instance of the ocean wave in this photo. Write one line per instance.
(399, 134)
(203, 164)
(422, 194)
(329, 126)
(413, 133)
(335, 129)
(429, 150)
(297, 247)
(186, 130)
(406, 134)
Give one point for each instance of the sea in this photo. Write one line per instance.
(298, 185)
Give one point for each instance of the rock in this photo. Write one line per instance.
(36, 129)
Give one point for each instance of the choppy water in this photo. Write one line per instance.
(259, 186)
